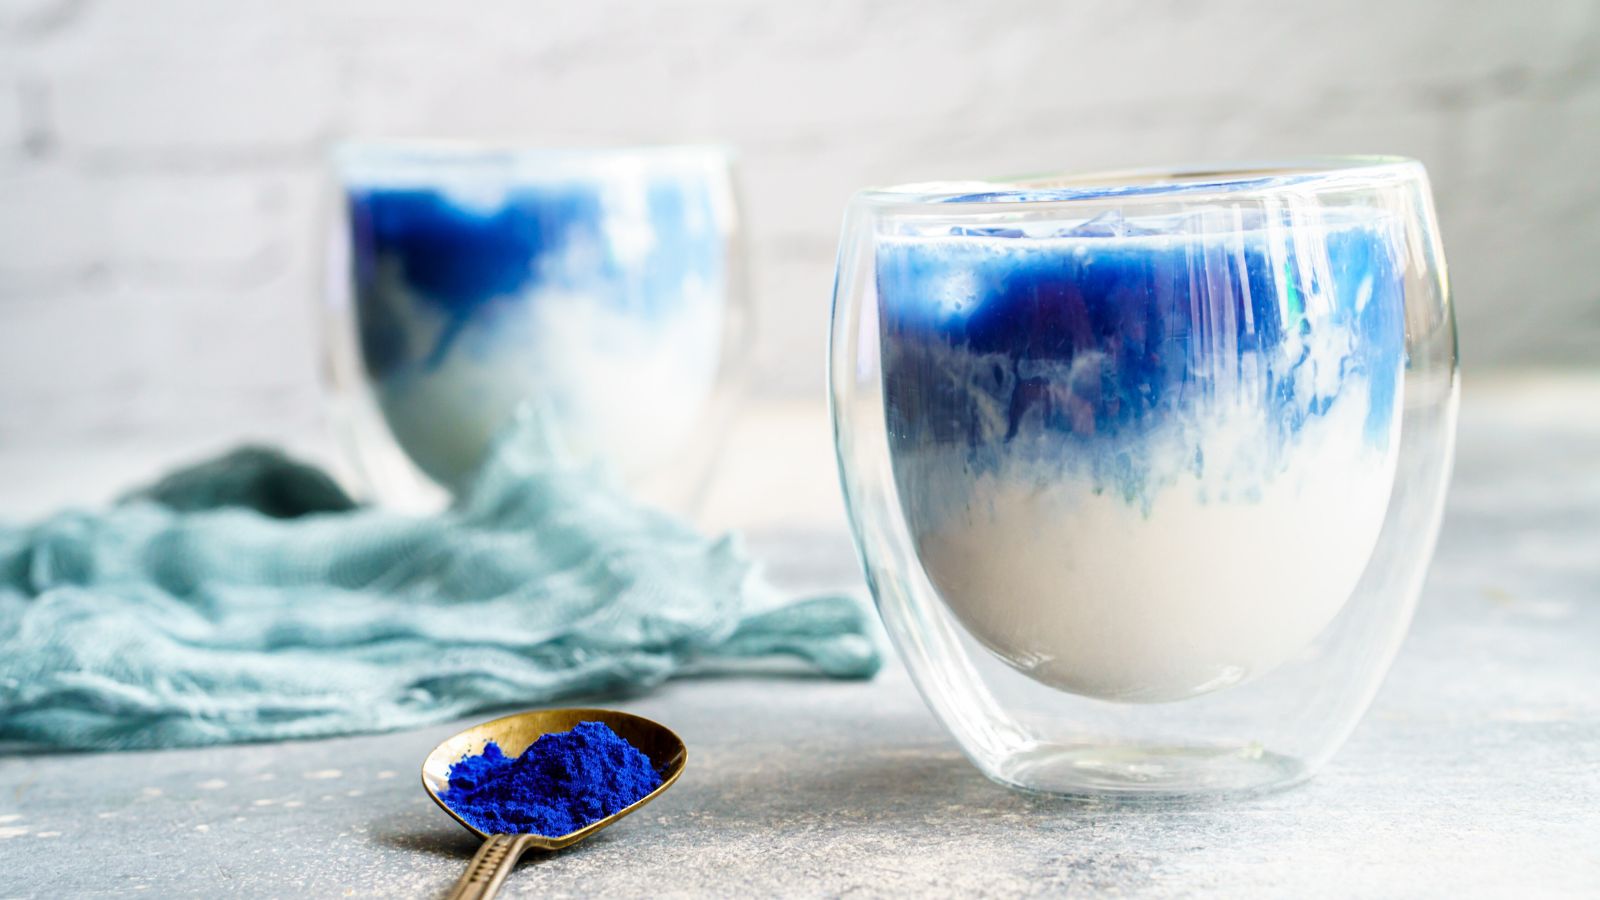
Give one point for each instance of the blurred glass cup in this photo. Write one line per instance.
(602, 287)
(1145, 469)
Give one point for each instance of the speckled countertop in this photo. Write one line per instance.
(1476, 773)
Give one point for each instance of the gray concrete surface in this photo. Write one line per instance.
(1477, 773)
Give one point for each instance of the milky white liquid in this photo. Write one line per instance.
(1217, 581)
(622, 387)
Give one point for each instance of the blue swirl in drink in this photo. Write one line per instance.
(595, 291)
(1144, 459)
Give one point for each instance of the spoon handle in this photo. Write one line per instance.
(489, 868)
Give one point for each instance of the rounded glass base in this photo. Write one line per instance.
(1154, 772)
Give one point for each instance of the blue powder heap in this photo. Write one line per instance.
(561, 783)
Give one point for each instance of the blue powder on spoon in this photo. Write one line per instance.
(561, 783)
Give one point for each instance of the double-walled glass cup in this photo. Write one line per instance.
(1145, 468)
(600, 288)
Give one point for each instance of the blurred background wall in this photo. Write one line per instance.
(160, 160)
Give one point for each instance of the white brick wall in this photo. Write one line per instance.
(160, 160)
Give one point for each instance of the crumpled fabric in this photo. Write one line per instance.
(249, 598)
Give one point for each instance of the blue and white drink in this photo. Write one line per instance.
(591, 284)
(1143, 459)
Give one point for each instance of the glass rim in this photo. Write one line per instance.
(1165, 184)
(427, 160)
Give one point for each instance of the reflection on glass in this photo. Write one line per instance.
(1137, 442)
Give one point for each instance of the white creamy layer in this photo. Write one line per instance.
(1213, 585)
(629, 388)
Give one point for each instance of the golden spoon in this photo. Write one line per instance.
(500, 852)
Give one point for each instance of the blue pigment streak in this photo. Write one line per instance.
(1073, 354)
(458, 259)
(561, 783)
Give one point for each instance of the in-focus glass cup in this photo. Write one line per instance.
(1145, 468)
(602, 288)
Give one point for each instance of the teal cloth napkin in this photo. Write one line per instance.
(248, 598)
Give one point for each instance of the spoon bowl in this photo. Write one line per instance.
(514, 734)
